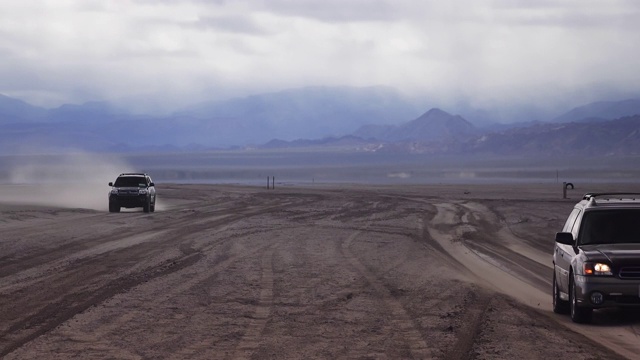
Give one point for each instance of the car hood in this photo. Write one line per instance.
(614, 253)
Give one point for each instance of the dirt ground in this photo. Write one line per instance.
(348, 272)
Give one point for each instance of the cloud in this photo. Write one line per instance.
(188, 51)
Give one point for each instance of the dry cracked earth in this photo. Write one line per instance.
(330, 272)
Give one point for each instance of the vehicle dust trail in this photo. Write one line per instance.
(623, 341)
(74, 180)
(400, 318)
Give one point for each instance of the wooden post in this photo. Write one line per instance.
(564, 190)
(267, 183)
(273, 182)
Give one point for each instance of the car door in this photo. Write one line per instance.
(564, 253)
(152, 189)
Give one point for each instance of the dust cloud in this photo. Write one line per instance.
(77, 180)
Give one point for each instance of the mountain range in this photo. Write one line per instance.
(362, 119)
(434, 125)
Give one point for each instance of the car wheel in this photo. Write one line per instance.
(147, 206)
(578, 314)
(153, 206)
(559, 306)
(114, 208)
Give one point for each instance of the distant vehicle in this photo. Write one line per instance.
(597, 256)
(132, 190)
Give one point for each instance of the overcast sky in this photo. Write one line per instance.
(171, 52)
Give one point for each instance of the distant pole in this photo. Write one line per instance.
(273, 182)
(564, 190)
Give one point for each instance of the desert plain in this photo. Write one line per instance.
(333, 271)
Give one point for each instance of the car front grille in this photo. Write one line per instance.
(128, 192)
(630, 272)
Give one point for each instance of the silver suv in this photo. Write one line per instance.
(132, 190)
(597, 256)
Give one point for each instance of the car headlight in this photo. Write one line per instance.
(114, 191)
(600, 269)
(142, 191)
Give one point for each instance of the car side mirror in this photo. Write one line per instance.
(152, 184)
(110, 184)
(565, 238)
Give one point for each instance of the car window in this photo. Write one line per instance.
(610, 227)
(575, 230)
(568, 225)
(130, 181)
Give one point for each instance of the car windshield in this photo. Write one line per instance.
(130, 181)
(610, 227)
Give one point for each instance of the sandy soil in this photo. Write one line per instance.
(231, 272)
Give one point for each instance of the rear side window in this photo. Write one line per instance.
(571, 220)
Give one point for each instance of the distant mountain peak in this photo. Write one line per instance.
(433, 125)
(437, 115)
(436, 112)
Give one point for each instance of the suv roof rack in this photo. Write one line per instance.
(589, 196)
(141, 174)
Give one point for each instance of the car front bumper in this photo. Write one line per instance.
(129, 201)
(615, 292)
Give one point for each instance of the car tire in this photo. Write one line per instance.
(147, 206)
(581, 315)
(153, 206)
(559, 306)
(114, 208)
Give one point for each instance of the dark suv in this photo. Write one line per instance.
(597, 256)
(132, 190)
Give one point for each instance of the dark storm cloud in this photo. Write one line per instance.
(503, 49)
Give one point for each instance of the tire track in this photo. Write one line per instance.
(68, 305)
(104, 247)
(477, 304)
(39, 259)
(251, 339)
(490, 242)
(57, 313)
(205, 348)
(160, 221)
(476, 308)
(400, 318)
(483, 268)
(491, 273)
